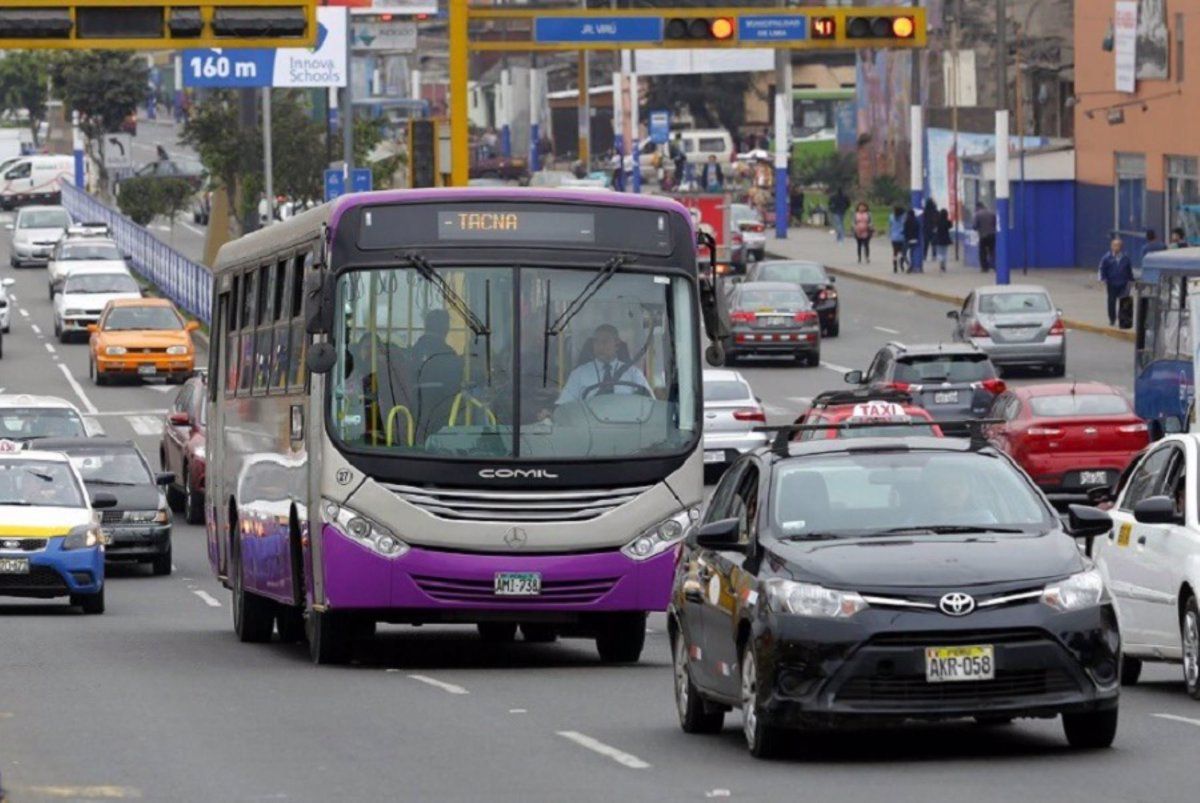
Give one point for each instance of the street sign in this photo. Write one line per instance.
(772, 28)
(393, 36)
(560, 30)
(360, 179)
(660, 126)
(118, 151)
(335, 183)
(322, 66)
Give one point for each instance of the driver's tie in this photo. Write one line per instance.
(606, 383)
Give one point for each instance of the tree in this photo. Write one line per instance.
(831, 170)
(714, 99)
(144, 198)
(228, 150)
(23, 86)
(370, 149)
(298, 151)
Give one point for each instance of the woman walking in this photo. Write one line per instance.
(862, 231)
(929, 221)
(912, 238)
(941, 238)
(896, 235)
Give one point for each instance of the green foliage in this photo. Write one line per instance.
(831, 170)
(887, 191)
(715, 100)
(104, 86)
(144, 198)
(224, 146)
(368, 135)
(23, 85)
(298, 147)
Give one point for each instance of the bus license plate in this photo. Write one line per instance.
(946, 397)
(14, 565)
(946, 664)
(147, 370)
(518, 584)
(1093, 478)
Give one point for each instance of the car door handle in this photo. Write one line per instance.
(1141, 540)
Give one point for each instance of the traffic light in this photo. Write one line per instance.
(700, 29)
(422, 153)
(887, 27)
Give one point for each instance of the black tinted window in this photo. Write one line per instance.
(944, 368)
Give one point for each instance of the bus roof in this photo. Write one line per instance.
(1172, 260)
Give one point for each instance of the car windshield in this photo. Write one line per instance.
(101, 283)
(22, 423)
(43, 219)
(725, 390)
(774, 298)
(945, 368)
(88, 251)
(1079, 404)
(510, 363)
(111, 466)
(907, 491)
(38, 483)
(795, 272)
(129, 319)
(1001, 303)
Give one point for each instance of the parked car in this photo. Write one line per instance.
(83, 297)
(182, 450)
(1069, 437)
(773, 318)
(745, 219)
(5, 306)
(141, 338)
(34, 234)
(731, 412)
(490, 165)
(1017, 325)
(818, 285)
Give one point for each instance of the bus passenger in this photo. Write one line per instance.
(437, 371)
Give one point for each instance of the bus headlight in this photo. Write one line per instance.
(362, 529)
(661, 536)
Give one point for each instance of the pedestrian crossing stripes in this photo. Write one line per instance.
(145, 424)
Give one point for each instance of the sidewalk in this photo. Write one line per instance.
(1076, 291)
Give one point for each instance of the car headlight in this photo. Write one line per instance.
(371, 534)
(808, 599)
(662, 536)
(82, 537)
(146, 517)
(177, 350)
(114, 350)
(1083, 590)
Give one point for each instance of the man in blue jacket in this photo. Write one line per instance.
(1116, 271)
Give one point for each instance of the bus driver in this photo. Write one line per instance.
(606, 373)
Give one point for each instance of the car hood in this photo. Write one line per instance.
(129, 497)
(37, 235)
(931, 561)
(69, 266)
(92, 301)
(146, 338)
(40, 522)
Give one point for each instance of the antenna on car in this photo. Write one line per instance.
(782, 433)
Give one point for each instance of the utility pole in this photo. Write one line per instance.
(347, 112)
(585, 112)
(955, 66)
(1001, 55)
(268, 168)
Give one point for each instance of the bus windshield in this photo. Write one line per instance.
(539, 363)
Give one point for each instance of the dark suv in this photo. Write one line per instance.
(953, 381)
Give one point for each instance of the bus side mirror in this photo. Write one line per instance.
(320, 358)
(318, 303)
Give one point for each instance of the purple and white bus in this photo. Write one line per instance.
(456, 406)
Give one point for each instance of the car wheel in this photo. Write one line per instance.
(289, 623)
(193, 503)
(539, 633)
(695, 715)
(1131, 670)
(175, 497)
(1092, 730)
(1190, 631)
(96, 376)
(330, 637)
(90, 603)
(497, 632)
(51, 294)
(834, 328)
(161, 565)
(1058, 370)
(621, 638)
(762, 740)
(813, 359)
(253, 616)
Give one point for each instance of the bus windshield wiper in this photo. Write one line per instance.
(422, 266)
(950, 529)
(606, 272)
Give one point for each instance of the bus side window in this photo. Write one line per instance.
(263, 335)
(232, 350)
(219, 339)
(281, 330)
(246, 328)
(299, 340)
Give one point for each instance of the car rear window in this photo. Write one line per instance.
(1079, 404)
(774, 299)
(81, 251)
(726, 390)
(945, 368)
(1001, 303)
(797, 272)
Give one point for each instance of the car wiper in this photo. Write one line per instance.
(826, 536)
(15, 503)
(111, 482)
(950, 529)
(422, 266)
(39, 475)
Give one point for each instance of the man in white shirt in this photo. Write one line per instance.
(603, 371)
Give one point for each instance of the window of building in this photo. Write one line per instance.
(1183, 187)
(1179, 48)
(1129, 198)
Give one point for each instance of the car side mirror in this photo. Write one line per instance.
(103, 501)
(1156, 510)
(853, 377)
(952, 314)
(721, 536)
(164, 478)
(1087, 522)
(93, 327)
(179, 419)
(320, 358)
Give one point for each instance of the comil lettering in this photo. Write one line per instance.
(517, 474)
(488, 221)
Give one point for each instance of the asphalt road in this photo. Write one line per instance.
(156, 700)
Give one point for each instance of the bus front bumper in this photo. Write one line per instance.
(434, 580)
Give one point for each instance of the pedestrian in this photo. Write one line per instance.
(1152, 244)
(985, 227)
(678, 158)
(1178, 237)
(863, 231)
(1116, 271)
(912, 239)
(929, 223)
(797, 201)
(896, 235)
(712, 178)
(838, 206)
(942, 239)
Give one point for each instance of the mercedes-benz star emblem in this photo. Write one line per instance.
(516, 538)
(957, 604)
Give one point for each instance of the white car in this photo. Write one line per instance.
(5, 304)
(83, 254)
(745, 219)
(83, 297)
(731, 412)
(34, 234)
(24, 417)
(1151, 559)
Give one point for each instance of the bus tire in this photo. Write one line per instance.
(621, 637)
(253, 616)
(497, 632)
(330, 637)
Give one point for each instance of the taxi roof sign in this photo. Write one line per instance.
(879, 411)
(8, 447)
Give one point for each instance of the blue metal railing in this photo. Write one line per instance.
(187, 283)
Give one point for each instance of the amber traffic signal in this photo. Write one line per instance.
(884, 27)
(699, 29)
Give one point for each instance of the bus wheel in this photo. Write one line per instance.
(497, 632)
(621, 638)
(253, 616)
(330, 637)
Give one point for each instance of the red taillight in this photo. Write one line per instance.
(750, 414)
(742, 317)
(898, 385)
(1048, 432)
(751, 226)
(737, 238)
(1058, 328)
(826, 295)
(807, 316)
(1134, 428)
(995, 386)
(977, 330)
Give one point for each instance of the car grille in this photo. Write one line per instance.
(40, 578)
(516, 506)
(111, 516)
(915, 689)
(955, 638)
(22, 544)
(554, 592)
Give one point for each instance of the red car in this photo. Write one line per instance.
(878, 408)
(1069, 437)
(182, 449)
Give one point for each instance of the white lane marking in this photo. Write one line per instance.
(83, 792)
(1177, 718)
(208, 598)
(717, 793)
(145, 424)
(87, 403)
(806, 400)
(191, 228)
(518, 711)
(832, 366)
(595, 745)
(107, 414)
(885, 330)
(160, 227)
(35, 329)
(449, 688)
(24, 312)
(163, 388)
(49, 347)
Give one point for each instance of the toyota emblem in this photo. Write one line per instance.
(957, 604)
(515, 538)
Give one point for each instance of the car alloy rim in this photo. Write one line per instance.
(681, 678)
(1191, 649)
(749, 697)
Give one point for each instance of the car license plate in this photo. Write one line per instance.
(14, 565)
(714, 457)
(518, 584)
(947, 664)
(946, 397)
(147, 370)
(775, 320)
(1093, 478)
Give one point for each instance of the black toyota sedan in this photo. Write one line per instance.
(813, 279)
(138, 527)
(842, 582)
